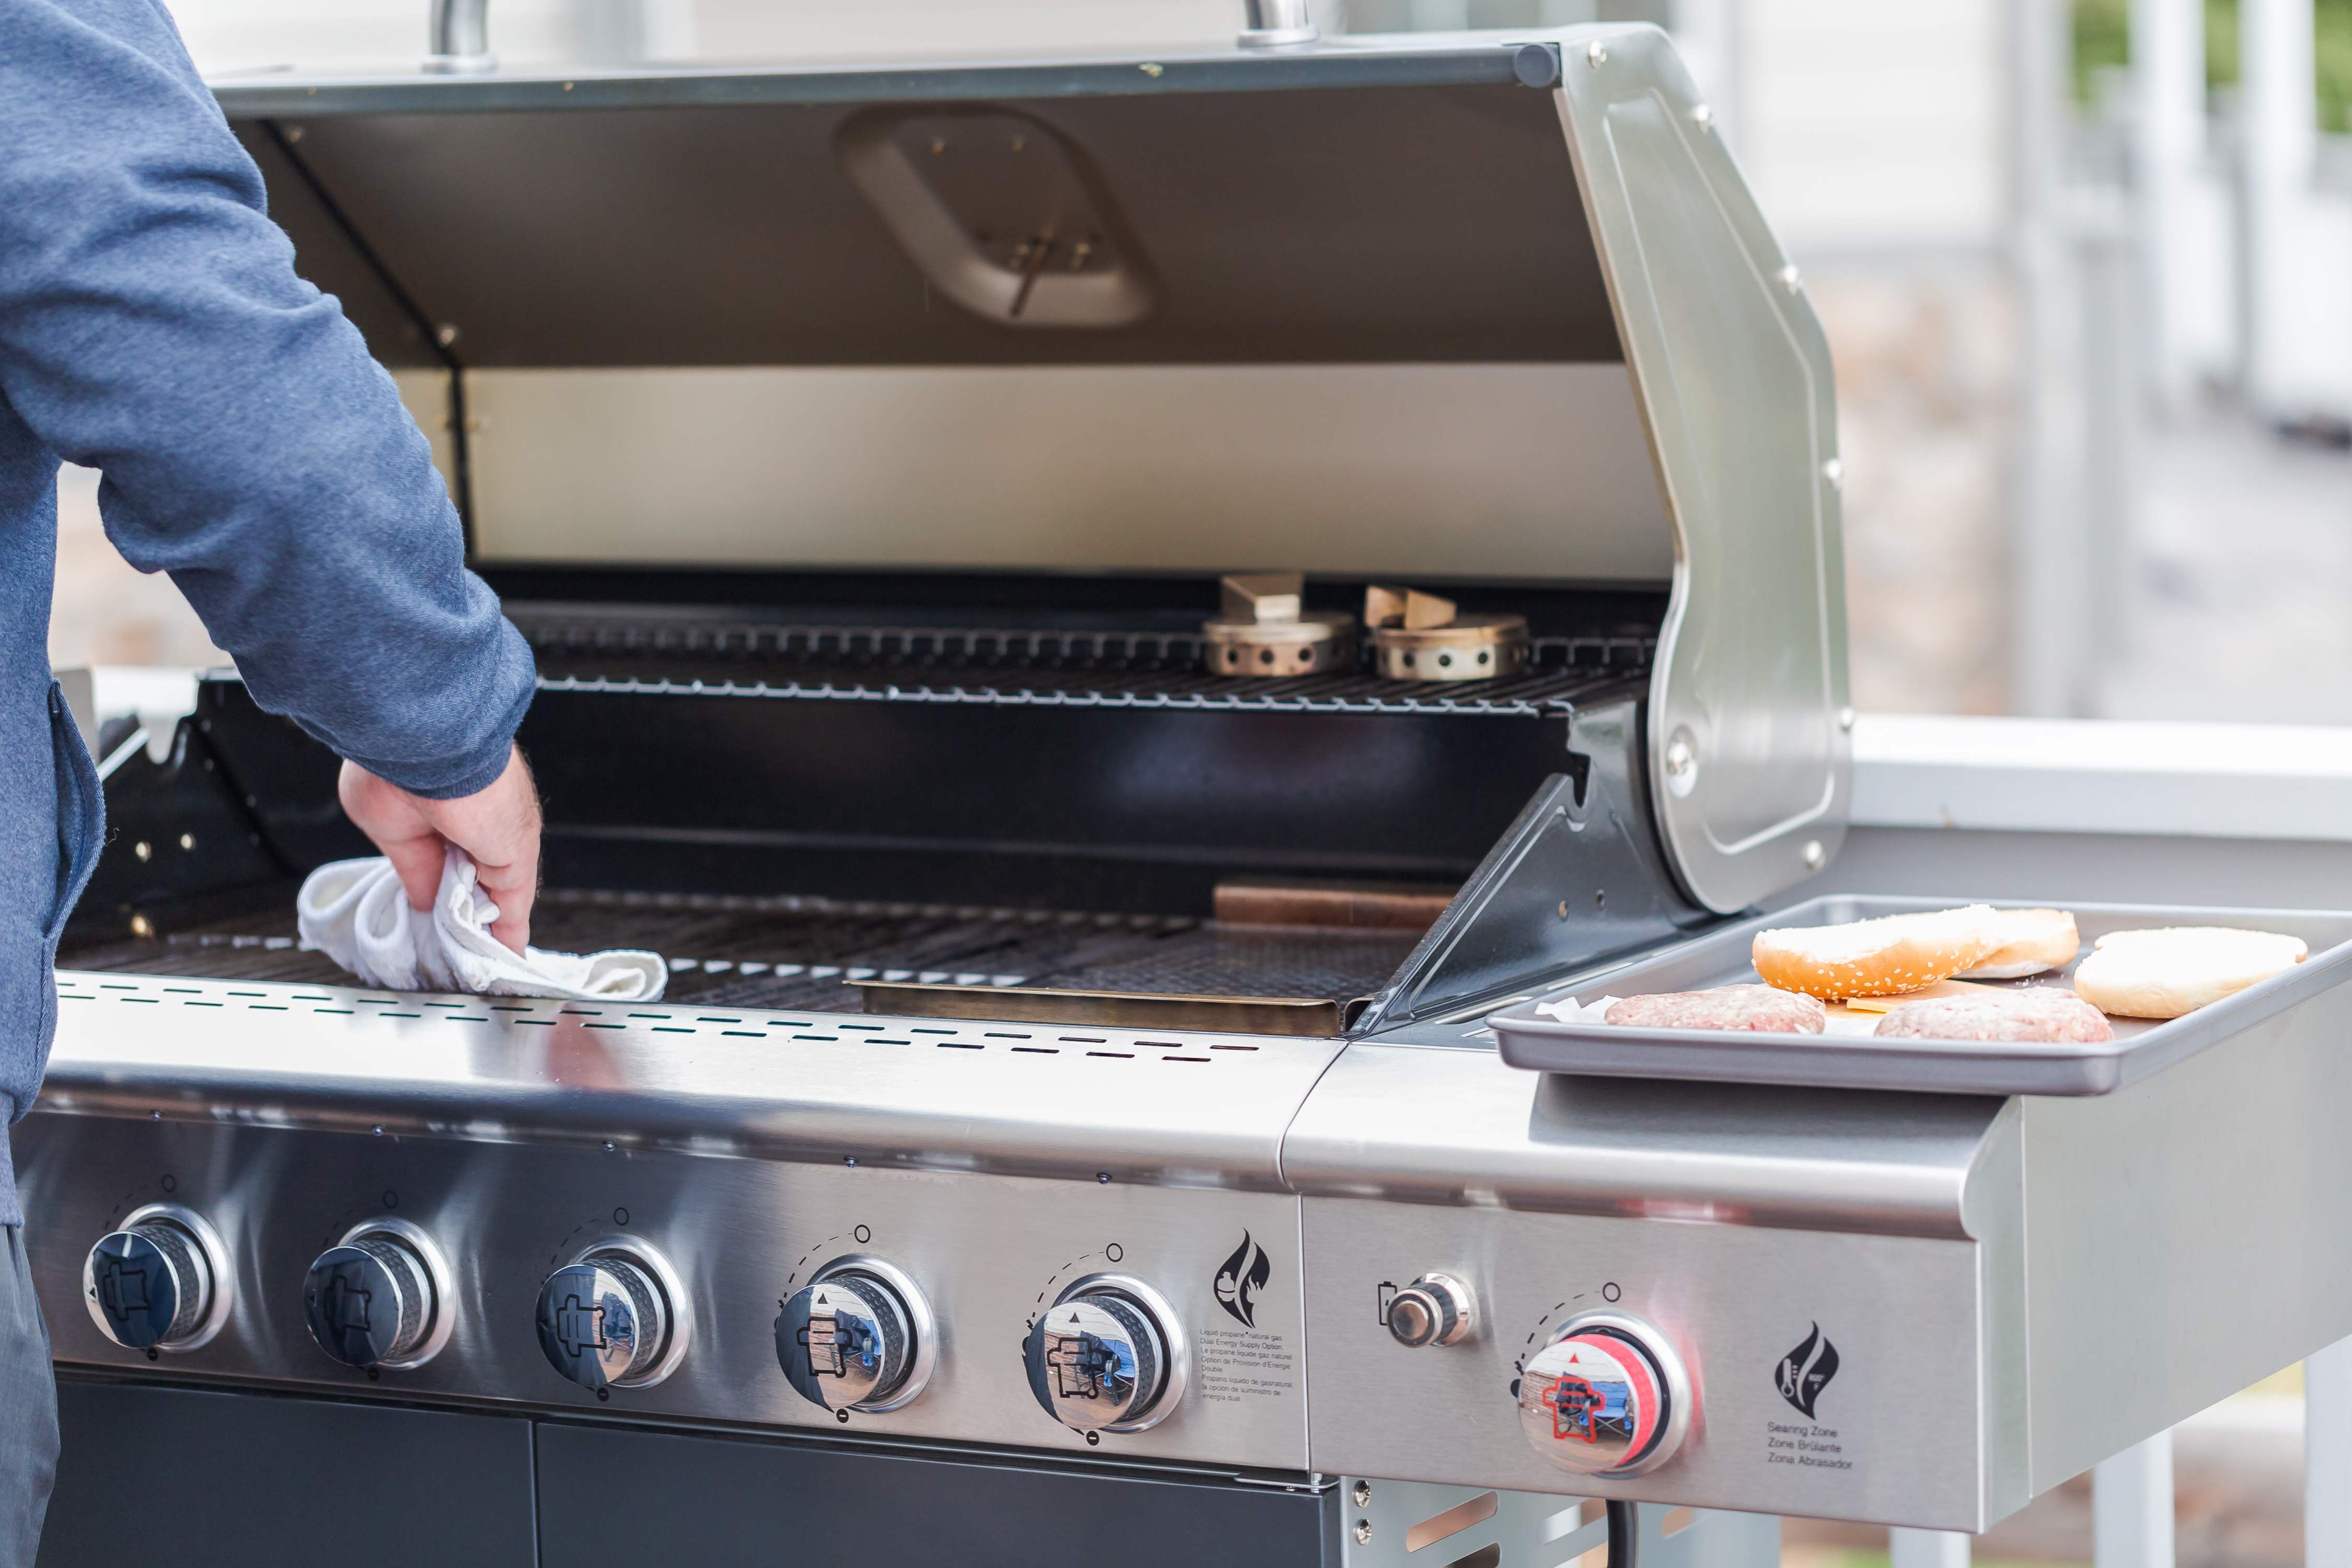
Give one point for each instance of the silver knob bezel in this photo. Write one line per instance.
(215, 1255)
(1652, 1341)
(922, 1326)
(1172, 1340)
(677, 1308)
(437, 1278)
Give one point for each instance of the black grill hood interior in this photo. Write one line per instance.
(1327, 208)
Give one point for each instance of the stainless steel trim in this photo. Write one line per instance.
(1734, 378)
(443, 1306)
(677, 1305)
(917, 1307)
(1170, 1324)
(1330, 466)
(216, 1258)
(1305, 1018)
(1162, 1106)
(1429, 1125)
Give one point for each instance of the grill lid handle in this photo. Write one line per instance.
(1276, 23)
(461, 38)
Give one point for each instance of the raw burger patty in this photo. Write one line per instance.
(1763, 1008)
(1997, 1015)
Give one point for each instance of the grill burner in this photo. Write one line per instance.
(806, 954)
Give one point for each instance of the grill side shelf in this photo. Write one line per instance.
(1535, 1040)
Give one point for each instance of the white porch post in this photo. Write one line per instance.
(2168, 69)
(2131, 1506)
(2328, 1457)
(2280, 113)
(1927, 1549)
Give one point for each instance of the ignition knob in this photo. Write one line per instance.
(1434, 1310)
(1108, 1356)
(1607, 1397)
(605, 1322)
(376, 1301)
(152, 1284)
(857, 1337)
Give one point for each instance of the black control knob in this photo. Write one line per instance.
(604, 1321)
(859, 1337)
(149, 1286)
(372, 1302)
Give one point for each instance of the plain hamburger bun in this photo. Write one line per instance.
(2165, 972)
(2031, 942)
(1884, 957)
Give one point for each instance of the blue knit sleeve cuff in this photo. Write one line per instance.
(476, 779)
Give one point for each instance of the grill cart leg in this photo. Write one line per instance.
(1391, 1524)
(2131, 1506)
(2328, 1457)
(1927, 1548)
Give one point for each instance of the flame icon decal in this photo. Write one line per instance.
(1245, 1274)
(1807, 1370)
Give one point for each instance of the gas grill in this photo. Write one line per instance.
(1070, 1132)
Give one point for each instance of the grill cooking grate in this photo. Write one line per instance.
(795, 954)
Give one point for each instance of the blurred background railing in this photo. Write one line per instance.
(2086, 265)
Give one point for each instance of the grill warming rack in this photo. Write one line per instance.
(695, 654)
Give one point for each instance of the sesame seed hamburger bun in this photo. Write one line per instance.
(1884, 957)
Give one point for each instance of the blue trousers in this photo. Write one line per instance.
(28, 1407)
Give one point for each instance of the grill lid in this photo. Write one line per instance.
(1376, 308)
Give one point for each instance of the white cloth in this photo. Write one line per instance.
(357, 913)
(1571, 1010)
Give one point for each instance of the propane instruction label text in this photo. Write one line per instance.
(1243, 1363)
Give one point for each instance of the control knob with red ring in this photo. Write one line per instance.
(1607, 1397)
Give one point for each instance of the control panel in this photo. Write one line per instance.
(1720, 1365)
(1088, 1316)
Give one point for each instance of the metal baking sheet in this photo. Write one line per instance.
(1833, 1060)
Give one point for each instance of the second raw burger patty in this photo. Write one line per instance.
(1763, 1008)
(2036, 1015)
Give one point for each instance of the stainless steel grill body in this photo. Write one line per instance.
(2013, 1288)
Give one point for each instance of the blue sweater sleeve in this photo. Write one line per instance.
(151, 325)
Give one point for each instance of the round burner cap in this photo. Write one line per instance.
(1316, 641)
(1468, 647)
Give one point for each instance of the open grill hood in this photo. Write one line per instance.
(1493, 314)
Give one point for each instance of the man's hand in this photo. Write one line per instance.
(499, 827)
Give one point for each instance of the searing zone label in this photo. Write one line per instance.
(1799, 1379)
(1808, 1445)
